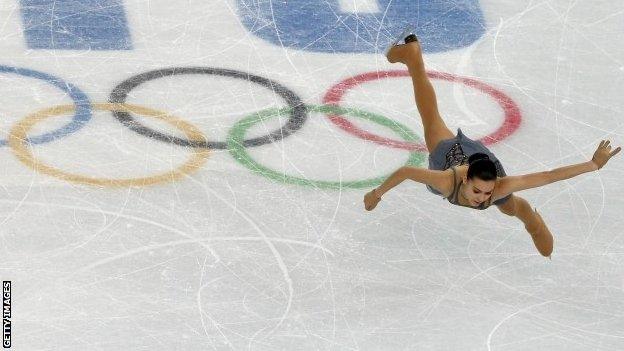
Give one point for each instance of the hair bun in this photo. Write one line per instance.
(477, 157)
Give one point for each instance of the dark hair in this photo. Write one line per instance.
(480, 166)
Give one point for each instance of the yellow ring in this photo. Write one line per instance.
(20, 146)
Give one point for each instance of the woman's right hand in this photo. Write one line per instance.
(371, 200)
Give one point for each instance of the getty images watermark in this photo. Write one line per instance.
(6, 314)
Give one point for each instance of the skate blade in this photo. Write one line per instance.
(407, 31)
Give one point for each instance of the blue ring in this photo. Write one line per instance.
(83, 105)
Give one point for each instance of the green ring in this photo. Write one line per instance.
(237, 149)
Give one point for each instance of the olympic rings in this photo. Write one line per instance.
(236, 143)
(237, 149)
(83, 106)
(18, 143)
(335, 94)
(298, 112)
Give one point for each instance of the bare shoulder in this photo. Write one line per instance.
(501, 188)
(448, 177)
(452, 177)
(445, 181)
(441, 181)
(499, 191)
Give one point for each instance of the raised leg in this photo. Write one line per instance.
(434, 127)
(533, 223)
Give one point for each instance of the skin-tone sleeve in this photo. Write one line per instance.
(429, 177)
(601, 156)
(435, 179)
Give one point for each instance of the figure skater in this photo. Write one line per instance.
(464, 171)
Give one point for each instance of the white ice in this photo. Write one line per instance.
(226, 259)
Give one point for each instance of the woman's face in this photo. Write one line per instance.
(477, 190)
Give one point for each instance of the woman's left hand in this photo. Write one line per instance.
(604, 153)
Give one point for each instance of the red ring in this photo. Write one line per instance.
(336, 93)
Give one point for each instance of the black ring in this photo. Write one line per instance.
(298, 110)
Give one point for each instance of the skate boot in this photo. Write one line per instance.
(542, 238)
(393, 52)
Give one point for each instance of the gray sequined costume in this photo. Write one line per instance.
(455, 152)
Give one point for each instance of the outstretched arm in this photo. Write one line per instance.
(435, 179)
(512, 184)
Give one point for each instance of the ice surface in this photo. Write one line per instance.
(228, 259)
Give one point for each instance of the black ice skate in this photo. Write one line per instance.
(407, 36)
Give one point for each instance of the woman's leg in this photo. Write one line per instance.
(533, 223)
(434, 127)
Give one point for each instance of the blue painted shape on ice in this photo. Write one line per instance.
(346, 26)
(75, 24)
